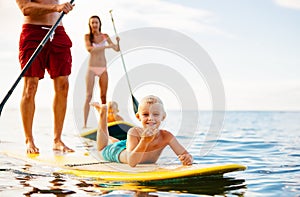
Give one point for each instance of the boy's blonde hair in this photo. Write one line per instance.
(151, 99)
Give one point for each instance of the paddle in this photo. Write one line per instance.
(135, 103)
(32, 58)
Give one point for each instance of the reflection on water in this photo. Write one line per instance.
(209, 185)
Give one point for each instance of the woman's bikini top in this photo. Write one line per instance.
(101, 44)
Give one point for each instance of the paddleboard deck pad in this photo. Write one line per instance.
(82, 164)
(117, 129)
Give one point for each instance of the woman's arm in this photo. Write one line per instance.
(115, 47)
(88, 44)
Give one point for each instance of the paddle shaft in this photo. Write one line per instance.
(32, 58)
(134, 100)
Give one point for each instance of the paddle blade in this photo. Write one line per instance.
(135, 104)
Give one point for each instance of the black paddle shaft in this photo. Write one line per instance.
(32, 58)
(135, 103)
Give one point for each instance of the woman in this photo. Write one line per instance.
(96, 42)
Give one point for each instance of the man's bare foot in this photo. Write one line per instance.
(60, 146)
(31, 148)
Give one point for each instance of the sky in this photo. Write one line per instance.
(254, 45)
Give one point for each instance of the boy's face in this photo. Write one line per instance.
(151, 115)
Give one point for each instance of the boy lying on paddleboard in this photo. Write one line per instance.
(143, 145)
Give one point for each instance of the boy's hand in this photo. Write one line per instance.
(149, 134)
(186, 159)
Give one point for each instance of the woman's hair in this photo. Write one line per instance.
(91, 33)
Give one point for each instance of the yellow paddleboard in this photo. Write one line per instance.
(153, 172)
(83, 164)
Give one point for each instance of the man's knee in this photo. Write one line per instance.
(30, 88)
(61, 85)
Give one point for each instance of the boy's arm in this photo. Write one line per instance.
(119, 118)
(136, 145)
(183, 155)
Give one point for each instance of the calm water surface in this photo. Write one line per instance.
(266, 142)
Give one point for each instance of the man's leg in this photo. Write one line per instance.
(61, 88)
(27, 108)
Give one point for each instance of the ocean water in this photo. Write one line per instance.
(266, 142)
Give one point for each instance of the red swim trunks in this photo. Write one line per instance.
(55, 56)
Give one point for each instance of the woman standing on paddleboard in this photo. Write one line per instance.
(96, 42)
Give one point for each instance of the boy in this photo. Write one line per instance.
(113, 112)
(143, 145)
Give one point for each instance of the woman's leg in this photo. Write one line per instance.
(103, 84)
(90, 80)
